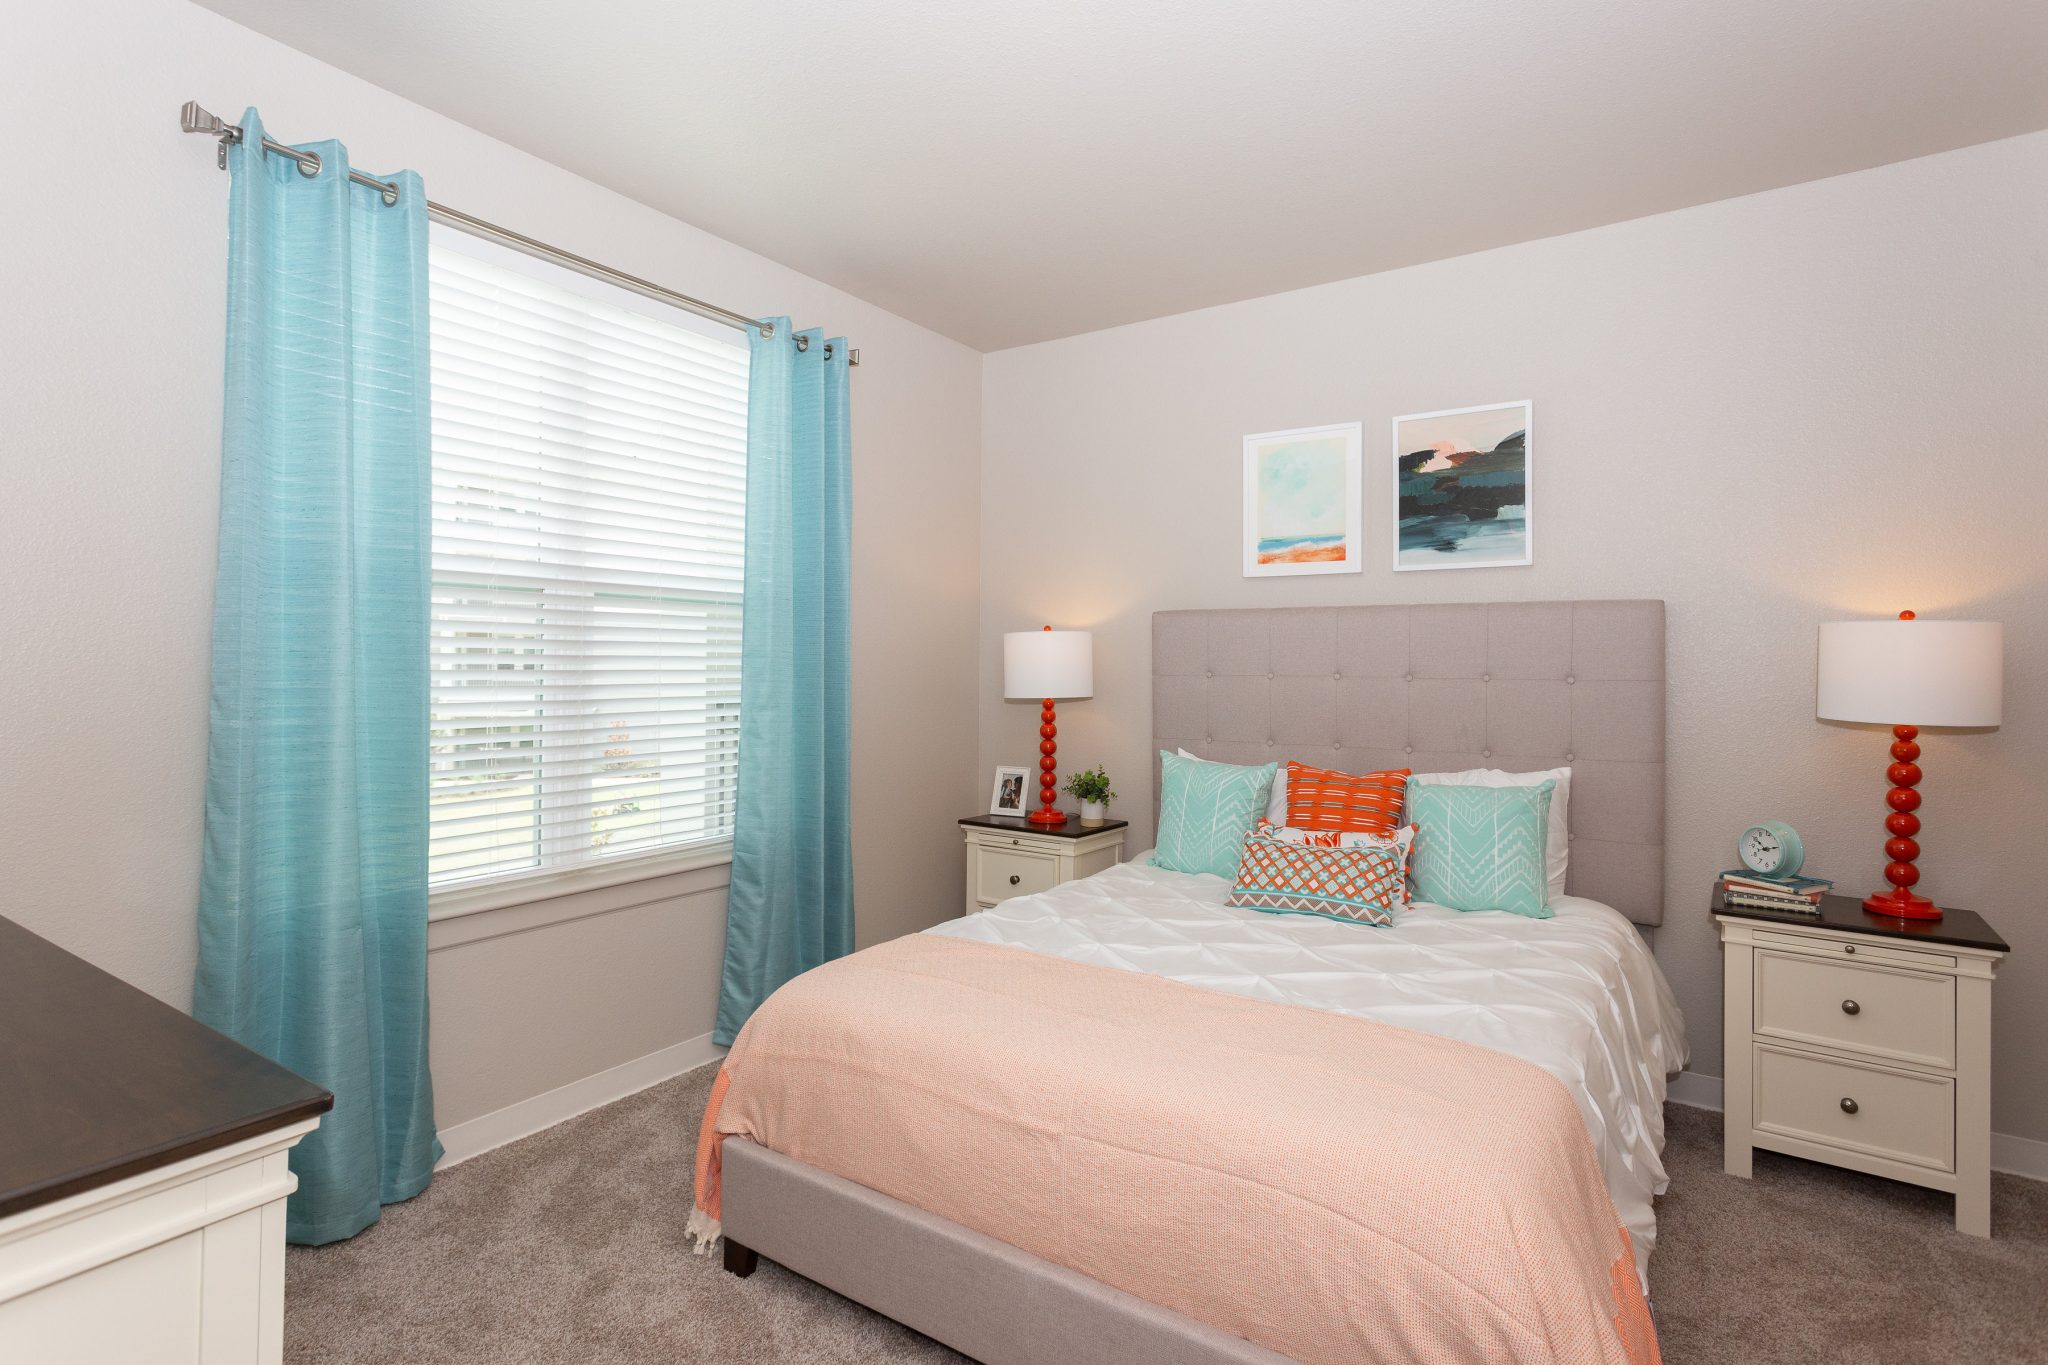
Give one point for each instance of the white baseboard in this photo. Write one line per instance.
(1690, 1087)
(2009, 1153)
(475, 1136)
(2019, 1156)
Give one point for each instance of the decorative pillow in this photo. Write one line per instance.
(1481, 848)
(1313, 838)
(1558, 847)
(1205, 810)
(1320, 798)
(1401, 842)
(1276, 800)
(1278, 877)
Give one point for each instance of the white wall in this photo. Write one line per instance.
(1817, 402)
(113, 250)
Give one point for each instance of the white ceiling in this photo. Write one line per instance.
(1010, 172)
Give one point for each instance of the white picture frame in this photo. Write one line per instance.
(1415, 548)
(1304, 505)
(1013, 784)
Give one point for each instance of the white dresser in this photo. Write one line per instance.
(1010, 857)
(1864, 1042)
(143, 1174)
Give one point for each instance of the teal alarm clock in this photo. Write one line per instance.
(1771, 848)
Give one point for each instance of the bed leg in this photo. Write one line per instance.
(740, 1260)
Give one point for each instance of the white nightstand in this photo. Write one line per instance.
(1863, 1042)
(1009, 857)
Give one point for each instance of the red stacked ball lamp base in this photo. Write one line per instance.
(1048, 813)
(1902, 824)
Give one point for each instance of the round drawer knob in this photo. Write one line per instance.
(1848, 1105)
(1014, 879)
(1851, 1007)
(1849, 948)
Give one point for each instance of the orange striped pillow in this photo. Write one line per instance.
(1321, 799)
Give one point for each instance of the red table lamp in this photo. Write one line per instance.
(1049, 665)
(1909, 673)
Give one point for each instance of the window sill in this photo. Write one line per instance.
(458, 902)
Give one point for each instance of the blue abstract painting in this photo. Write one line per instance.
(1461, 488)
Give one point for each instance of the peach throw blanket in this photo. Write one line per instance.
(1333, 1189)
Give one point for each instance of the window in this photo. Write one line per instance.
(589, 504)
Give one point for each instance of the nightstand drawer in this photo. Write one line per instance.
(1900, 1115)
(1009, 872)
(1885, 1011)
(1858, 946)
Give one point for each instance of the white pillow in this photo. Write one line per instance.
(1276, 802)
(1557, 845)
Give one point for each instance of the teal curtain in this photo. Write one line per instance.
(790, 905)
(313, 898)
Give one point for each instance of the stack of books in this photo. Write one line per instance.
(1793, 895)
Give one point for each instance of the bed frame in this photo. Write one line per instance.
(1514, 685)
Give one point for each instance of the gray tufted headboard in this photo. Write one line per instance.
(1513, 685)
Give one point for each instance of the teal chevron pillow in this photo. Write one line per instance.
(1205, 810)
(1481, 848)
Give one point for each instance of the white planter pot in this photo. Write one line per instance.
(1093, 813)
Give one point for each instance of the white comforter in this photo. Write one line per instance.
(1578, 995)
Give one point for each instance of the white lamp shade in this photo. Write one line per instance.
(1049, 663)
(1912, 672)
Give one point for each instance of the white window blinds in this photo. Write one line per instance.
(589, 498)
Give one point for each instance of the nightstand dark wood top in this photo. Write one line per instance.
(1010, 824)
(100, 1081)
(1957, 928)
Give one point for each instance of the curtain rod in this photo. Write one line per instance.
(195, 119)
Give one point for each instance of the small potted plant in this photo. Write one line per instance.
(1090, 787)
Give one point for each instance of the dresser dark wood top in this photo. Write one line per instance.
(1957, 928)
(100, 1081)
(1011, 824)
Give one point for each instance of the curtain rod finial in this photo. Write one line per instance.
(195, 119)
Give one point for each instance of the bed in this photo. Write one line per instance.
(1578, 995)
(1576, 998)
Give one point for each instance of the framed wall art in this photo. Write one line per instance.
(1303, 504)
(1461, 488)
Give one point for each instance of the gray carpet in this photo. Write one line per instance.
(568, 1247)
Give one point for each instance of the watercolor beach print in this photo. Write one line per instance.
(1302, 501)
(1461, 488)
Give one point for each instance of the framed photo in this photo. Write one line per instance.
(1461, 488)
(1303, 508)
(1007, 796)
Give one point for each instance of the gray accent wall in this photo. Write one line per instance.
(1815, 403)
